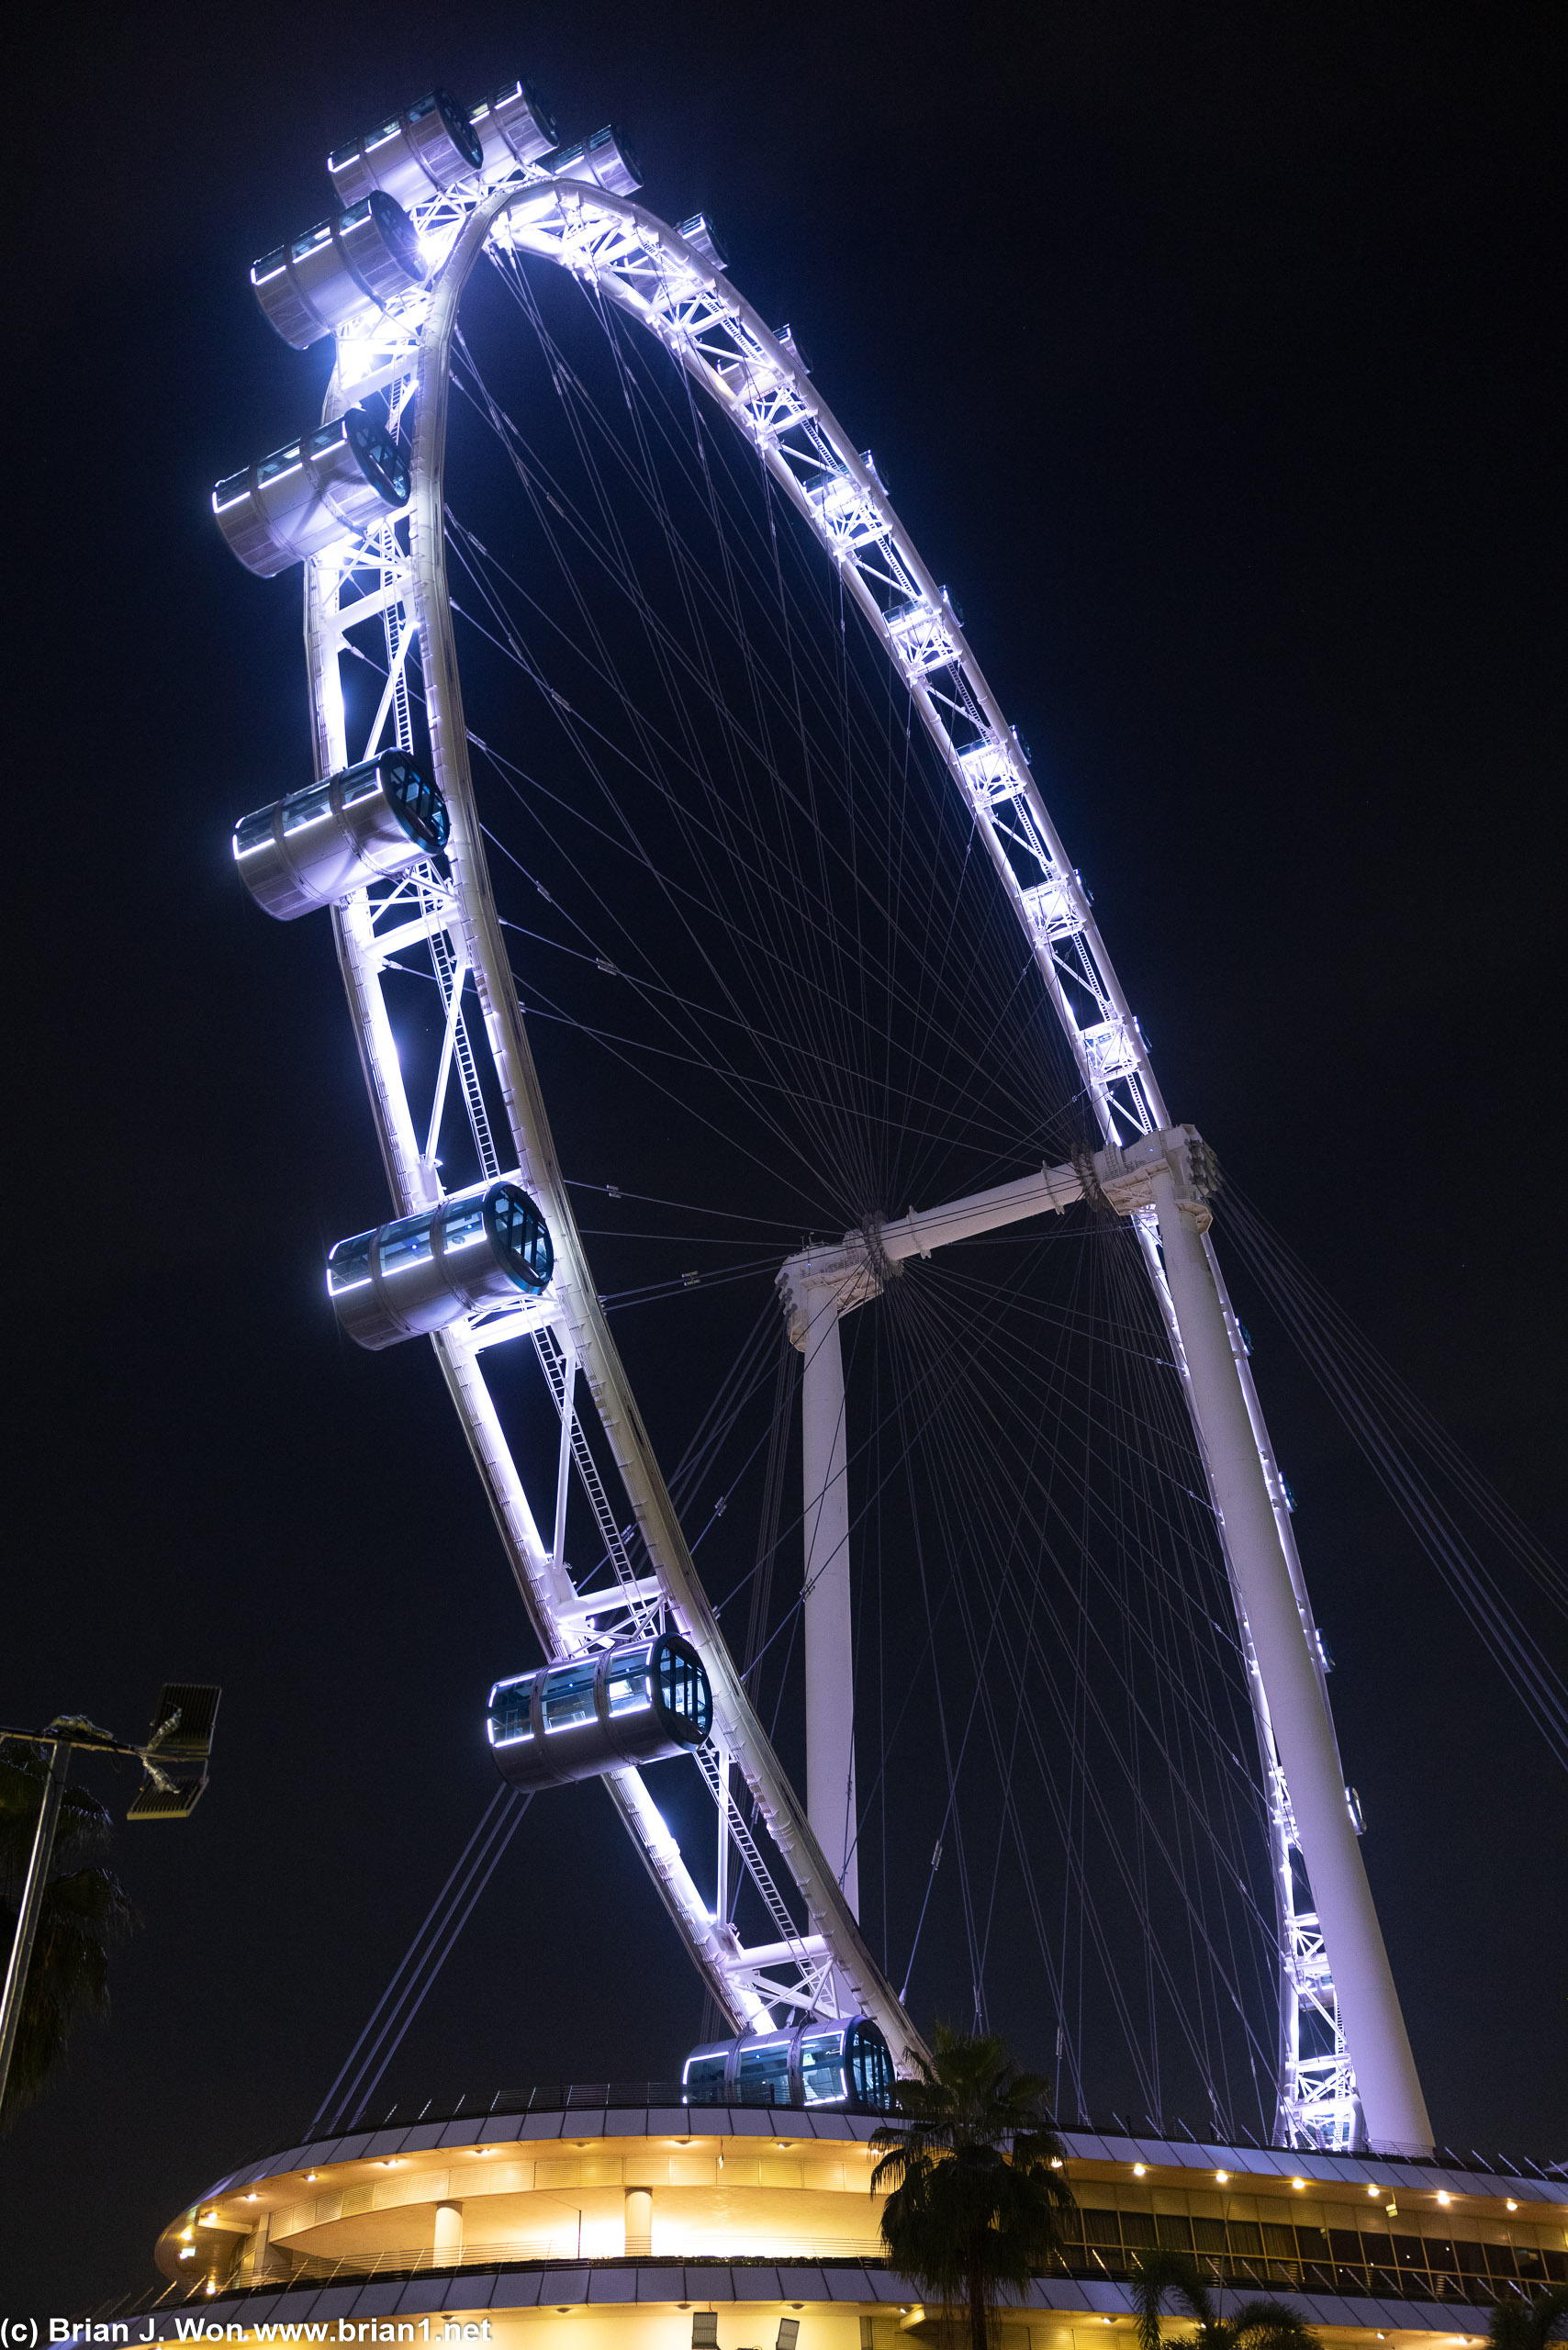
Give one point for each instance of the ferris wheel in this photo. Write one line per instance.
(387, 838)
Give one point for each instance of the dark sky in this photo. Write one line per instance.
(1215, 355)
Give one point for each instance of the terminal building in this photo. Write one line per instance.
(618, 2217)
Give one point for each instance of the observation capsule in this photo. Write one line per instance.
(359, 261)
(605, 159)
(411, 156)
(312, 848)
(425, 1270)
(826, 2061)
(598, 1713)
(338, 480)
(514, 126)
(701, 235)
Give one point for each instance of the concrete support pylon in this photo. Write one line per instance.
(830, 1669)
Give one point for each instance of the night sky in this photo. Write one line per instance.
(1215, 356)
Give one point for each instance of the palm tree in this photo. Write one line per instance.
(978, 2177)
(1256, 2325)
(85, 1913)
(1529, 2325)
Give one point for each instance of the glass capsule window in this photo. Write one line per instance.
(348, 1267)
(396, 230)
(311, 241)
(229, 492)
(705, 2079)
(404, 1245)
(251, 830)
(462, 1227)
(360, 784)
(325, 437)
(284, 462)
(569, 1697)
(822, 2066)
(304, 808)
(518, 1236)
(870, 2066)
(683, 1688)
(511, 1713)
(627, 1686)
(762, 2076)
(421, 809)
(269, 265)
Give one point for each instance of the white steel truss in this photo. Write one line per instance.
(397, 576)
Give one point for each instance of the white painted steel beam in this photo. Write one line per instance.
(830, 1672)
(1386, 2077)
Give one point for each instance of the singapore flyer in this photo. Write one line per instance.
(793, 792)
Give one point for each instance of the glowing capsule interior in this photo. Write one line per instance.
(606, 159)
(411, 156)
(514, 127)
(424, 1271)
(634, 1704)
(361, 825)
(826, 2061)
(340, 273)
(318, 492)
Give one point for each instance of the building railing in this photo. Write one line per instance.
(1409, 2268)
(1259, 2255)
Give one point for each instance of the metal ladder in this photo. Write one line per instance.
(552, 1361)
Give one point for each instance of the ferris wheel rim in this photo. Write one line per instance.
(1139, 1108)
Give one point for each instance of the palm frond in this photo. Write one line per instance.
(1174, 2275)
(1270, 2325)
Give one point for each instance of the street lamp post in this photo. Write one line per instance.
(180, 1732)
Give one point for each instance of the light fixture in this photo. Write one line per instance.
(253, 2196)
(479, 2150)
(1138, 2170)
(1298, 2182)
(1375, 2190)
(1222, 2176)
(187, 2254)
(1056, 2162)
(1443, 2197)
(309, 2178)
(212, 2285)
(1511, 2205)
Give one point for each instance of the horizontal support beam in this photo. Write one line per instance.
(777, 1953)
(612, 1601)
(380, 599)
